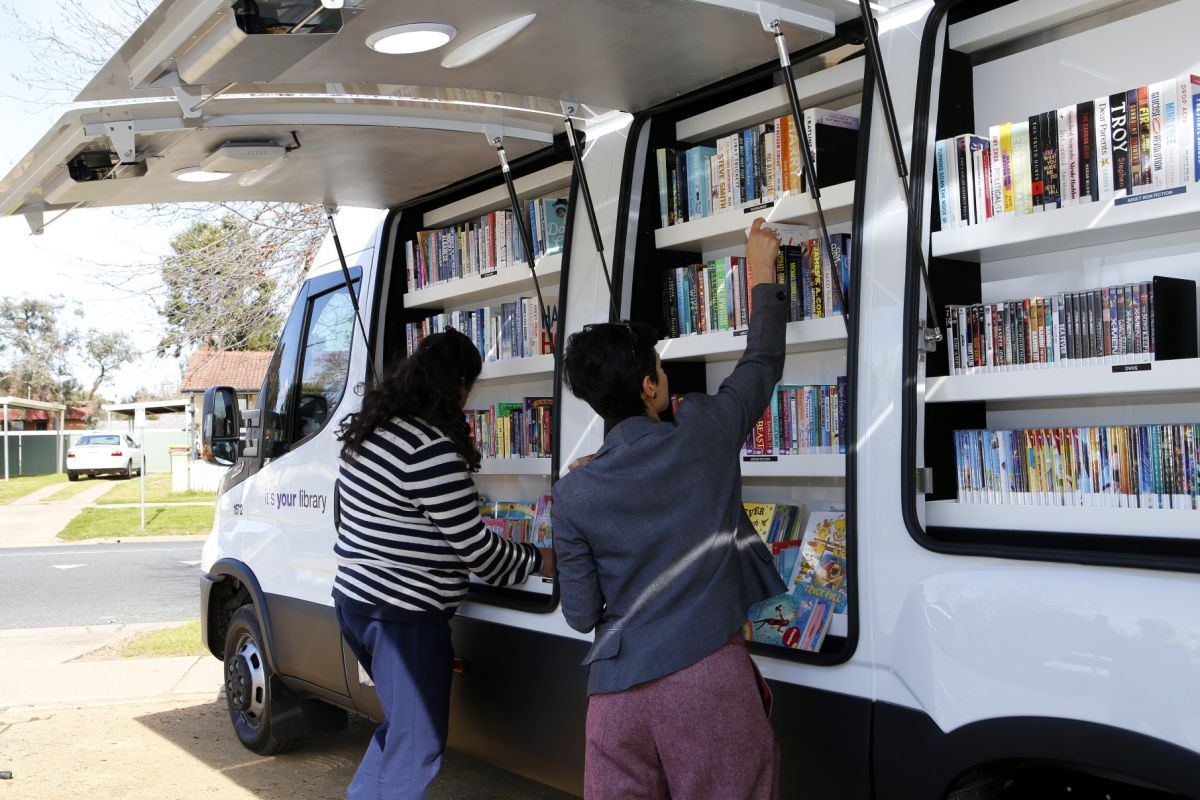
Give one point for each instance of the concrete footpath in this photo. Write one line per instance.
(30, 521)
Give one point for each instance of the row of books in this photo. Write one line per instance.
(510, 330)
(816, 587)
(1105, 149)
(482, 246)
(801, 420)
(520, 522)
(1113, 325)
(715, 296)
(755, 165)
(513, 430)
(1117, 466)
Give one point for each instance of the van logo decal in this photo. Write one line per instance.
(300, 499)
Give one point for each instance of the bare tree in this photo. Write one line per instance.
(265, 253)
(107, 352)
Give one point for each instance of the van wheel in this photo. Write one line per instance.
(129, 469)
(72, 475)
(250, 684)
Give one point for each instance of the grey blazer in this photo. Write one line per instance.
(654, 549)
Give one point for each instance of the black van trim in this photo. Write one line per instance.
(1173, 555)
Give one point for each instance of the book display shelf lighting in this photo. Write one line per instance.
(515, 466)
(517, 370)
(728, 228)
(806, 336)
(1160, 523)
(462, 292)
(1164, 380)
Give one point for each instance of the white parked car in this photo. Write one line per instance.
(104, 453)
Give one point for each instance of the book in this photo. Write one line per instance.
(833, 139)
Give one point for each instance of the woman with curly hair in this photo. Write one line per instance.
(409, 532)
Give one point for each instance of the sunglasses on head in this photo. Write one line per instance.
(626, 324)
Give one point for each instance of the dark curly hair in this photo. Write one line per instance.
(426, 385)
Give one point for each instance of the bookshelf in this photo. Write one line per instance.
(517, 370)
(543, 182)
(810, 335)
(728, 228)
(1076, 248)
(462, 292)
(539, 467)
(815, 347)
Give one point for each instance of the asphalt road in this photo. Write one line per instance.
(98, 584)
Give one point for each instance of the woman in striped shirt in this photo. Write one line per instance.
(409, 532)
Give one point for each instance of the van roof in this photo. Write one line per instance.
(376, 130)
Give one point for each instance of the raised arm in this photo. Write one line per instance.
(744, 395)
(442, 486)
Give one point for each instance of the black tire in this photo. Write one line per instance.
(250, 685)
(72, 475)
(129, 469)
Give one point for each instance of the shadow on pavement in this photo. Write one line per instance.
(321, 768)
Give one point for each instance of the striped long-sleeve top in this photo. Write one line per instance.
(409, 529)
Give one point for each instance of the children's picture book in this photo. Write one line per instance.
(521, 522)
(799, 621)
(822, 559)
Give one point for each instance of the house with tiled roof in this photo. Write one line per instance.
(243, 370)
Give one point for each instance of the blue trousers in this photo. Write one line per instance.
(411, 666)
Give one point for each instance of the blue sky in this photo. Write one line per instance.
(75, 253)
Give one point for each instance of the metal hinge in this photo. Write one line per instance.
(924, 482)
(928, 340)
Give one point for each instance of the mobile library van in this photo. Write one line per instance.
(978, 473)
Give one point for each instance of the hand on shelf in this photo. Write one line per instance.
(547, 570)
(762, 247)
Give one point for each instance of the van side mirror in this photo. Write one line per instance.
(221, 429)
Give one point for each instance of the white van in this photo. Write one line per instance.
(994, 643)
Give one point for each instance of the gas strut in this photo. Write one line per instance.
(874, 54)
(810, 172)
(569, 108)
(496, 139)
(337, 243)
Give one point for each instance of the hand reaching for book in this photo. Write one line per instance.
(762, 246)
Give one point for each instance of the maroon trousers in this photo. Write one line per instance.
(698, 733)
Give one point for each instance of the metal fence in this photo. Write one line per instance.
(34, 452)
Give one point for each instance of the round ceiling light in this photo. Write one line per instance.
(416, 37)
(198, 175)
(474, 49)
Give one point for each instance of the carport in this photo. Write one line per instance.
(32, 405)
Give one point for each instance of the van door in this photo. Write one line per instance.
(284, 532)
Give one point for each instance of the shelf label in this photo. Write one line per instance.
(749, 459)
(1137, 198)
(759, 207)
(742, 332)
(491, 274)
(1132, 367)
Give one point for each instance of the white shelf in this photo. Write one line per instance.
(802, 337)
(518, 370)
(1166, 524)
(461, 292)
(843, 80)
(1070, 228)
(806, 466)
(515, 466)
(534, 185)
(839, 625)
(1020, 20)
(728, 228)
(1177, 377)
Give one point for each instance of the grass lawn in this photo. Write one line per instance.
(105, 523)
(182, 640)
(158, 490)
(68, 491)
(15, 488)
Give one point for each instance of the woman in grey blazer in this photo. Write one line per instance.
(656, 554)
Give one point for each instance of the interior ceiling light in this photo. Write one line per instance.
(416, 37)
(474, 49)
(197, 175)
